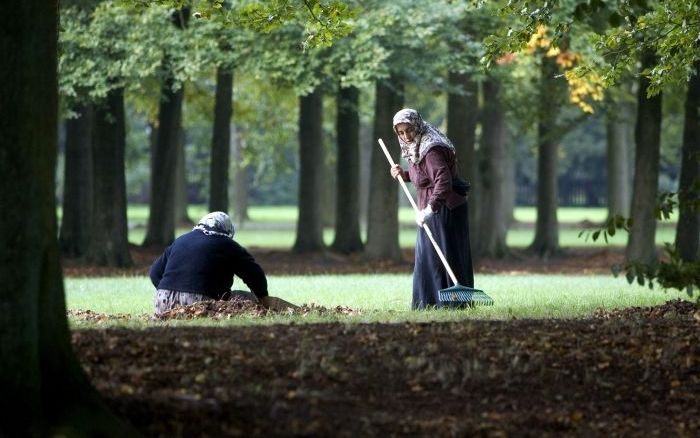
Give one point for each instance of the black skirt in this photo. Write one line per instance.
(450, 229)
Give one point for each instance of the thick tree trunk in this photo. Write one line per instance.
(688, 228)
(641, 245)
(493, 218)
(109, 240)
(462, 116)
(221, 141)
(617, 128)
(161, 218)
(311, 161)
(347, 225)
(366, 148)
(328, 191)
(382, 211)
(45, 391)
(182, 218)
(509, 189)
(78, 185)
(546, 240)
(240, 181)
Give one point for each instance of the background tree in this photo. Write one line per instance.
(309, 236)
(162, 215)
(78, 191)
(463, 108)
(641, 246)
(663, 35)
(688, 230)
(347, 229)
(619, 114)
(415, 48)
(493, 218)
(221, 140)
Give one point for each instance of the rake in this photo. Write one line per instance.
(457, 296)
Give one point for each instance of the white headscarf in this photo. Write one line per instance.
(216, 223)
(427, 136)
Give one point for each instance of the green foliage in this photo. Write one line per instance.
(674, 272)
(116, 47)
(618, 31)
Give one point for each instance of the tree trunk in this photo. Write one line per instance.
(240, 181)
(221, 141)
(161, 218)
(617, 128)
(462, 115)
(160, 230)
(641, 245)
(182, 218)
(688, 228)
(546, 240)
(382, 211)
(347, 225)
(45, 391)
(509, 186)
(78, 191)
(311, 161)
(109, 239)
(493, 217)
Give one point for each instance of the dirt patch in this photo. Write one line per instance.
(633, 372)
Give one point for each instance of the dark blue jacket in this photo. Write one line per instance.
(201, 263)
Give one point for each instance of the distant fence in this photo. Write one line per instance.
(572, 193)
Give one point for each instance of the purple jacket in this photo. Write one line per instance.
(433, 179)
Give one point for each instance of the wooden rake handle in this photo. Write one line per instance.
(415, 207)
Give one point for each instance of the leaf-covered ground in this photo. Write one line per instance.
(283, 262)
(623, 373)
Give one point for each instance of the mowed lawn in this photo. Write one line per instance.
(386, 297)
(275, 227)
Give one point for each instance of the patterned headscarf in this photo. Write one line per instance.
(427, 136)
(216, 223)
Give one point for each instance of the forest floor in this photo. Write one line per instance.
(575, 261)
(627, 372)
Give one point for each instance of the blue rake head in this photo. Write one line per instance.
(462, 296)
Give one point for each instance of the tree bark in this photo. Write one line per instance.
(688, 228)
(109, 241)
(493, 218)
(309, 235)
(509, 186)
(617, 128)
(221, 141)
(78, 184)
(182, 218)
(546, 240)
(347, 225)
(240, 181)
(161, 218)
(160, 230)
(641, 244)
(45, 390)
(462, 116)
(383, 203)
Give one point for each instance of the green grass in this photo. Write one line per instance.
(386, 297)
(275, 227)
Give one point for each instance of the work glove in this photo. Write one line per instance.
(423, 215)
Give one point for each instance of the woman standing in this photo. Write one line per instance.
(442, 203)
